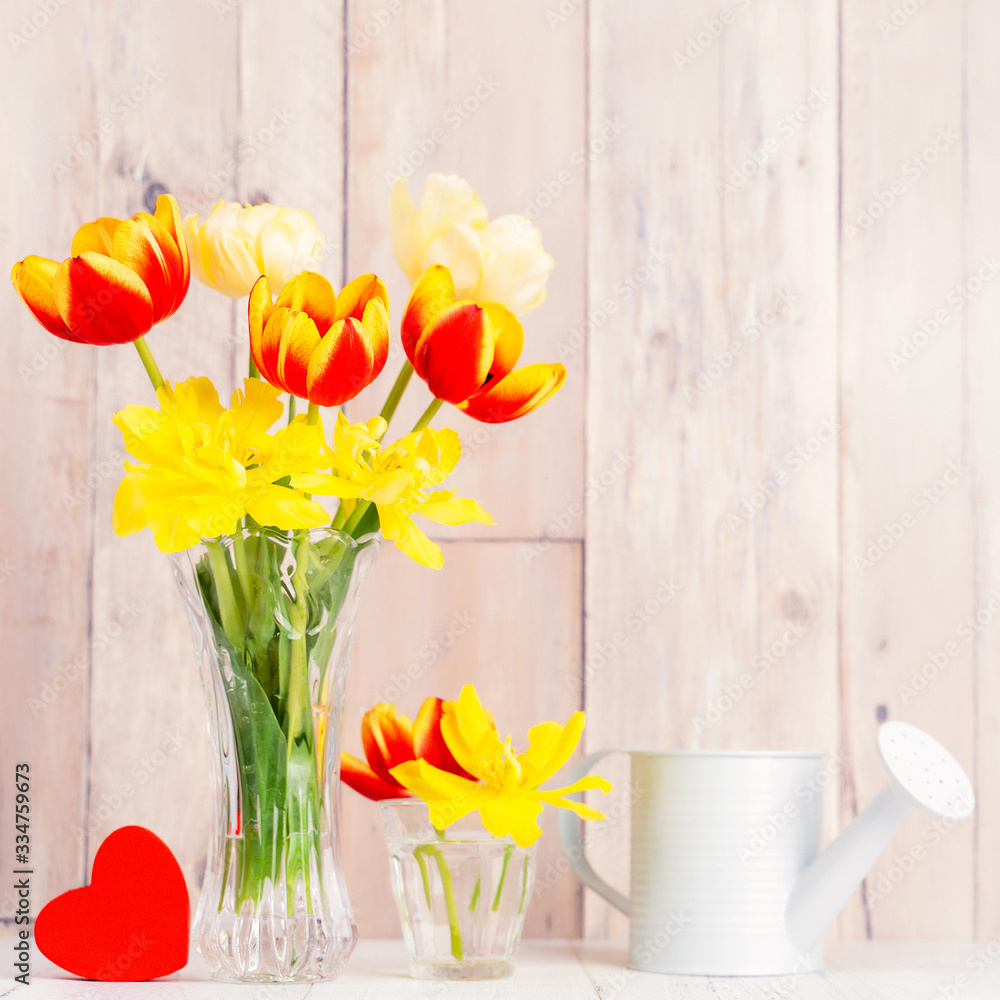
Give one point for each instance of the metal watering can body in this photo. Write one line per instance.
(727, 875)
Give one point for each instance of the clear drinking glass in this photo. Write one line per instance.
(462, 893)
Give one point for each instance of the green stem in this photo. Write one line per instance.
(428, 415)
(507, 852)
(149, 362)
(449, 897)
(298, 681)
(396, 392)
(312, 414)
(524, 884)
(242, 568)
(355, 519)
(221, 572)
(254, 370)
(291, 407)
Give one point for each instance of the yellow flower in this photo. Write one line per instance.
(235, 245)
(395, 480)
(506, 794)
(199, 468)
(500, 261)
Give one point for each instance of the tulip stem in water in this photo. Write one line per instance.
(149, 362)
(396, 392)
(449, 897)
(428, 414)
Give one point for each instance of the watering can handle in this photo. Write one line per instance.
(572, 842)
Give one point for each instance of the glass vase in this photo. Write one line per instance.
(273, 617)
(461, 893)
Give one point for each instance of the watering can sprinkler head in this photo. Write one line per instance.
(921, 774)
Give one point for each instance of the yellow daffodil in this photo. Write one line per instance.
(236, 244)
(199, 468)
(500, 261)
(507, 792)
(396, 479)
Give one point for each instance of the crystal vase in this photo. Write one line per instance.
(461, 893)
(273, 616)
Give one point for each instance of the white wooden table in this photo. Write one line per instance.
(576, 970)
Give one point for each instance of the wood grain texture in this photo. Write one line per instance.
(774, 228)
(716, 376)
(907, 533)
(46, 504)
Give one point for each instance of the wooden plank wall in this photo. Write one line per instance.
(774, 231)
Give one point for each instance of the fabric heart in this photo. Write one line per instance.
(131, 923)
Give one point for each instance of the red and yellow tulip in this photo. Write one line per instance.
(121, 278)
(466, 352)
(390, 739)
(316, 344)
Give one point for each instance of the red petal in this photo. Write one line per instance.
(508, 339)
(429, 744)
(168, 214)
(270, 344)
(310, 293)
(363, 779)
(519, 393)
(355, 296)
(455, 352)
(342, 365)
(432, 293)
(258, 313)
(143, 245)
(33, 279)
(387, 739)
(298, 341)
(101, 300)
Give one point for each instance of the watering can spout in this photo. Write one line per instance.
(922, 774)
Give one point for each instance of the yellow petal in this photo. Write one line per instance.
(512, 816)
(456, 510)
(284, 508)
(464, 726)
(399, 526)
(551, 745)
(450, 796)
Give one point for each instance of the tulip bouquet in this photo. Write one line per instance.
(270, 572)
(430, 775)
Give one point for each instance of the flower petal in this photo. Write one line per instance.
(356, 294)
(310, 293)
(457, 247)
(299, 339)
(449, 796)
(284, 508)
(398, 526)
(431, 295)
(168, 214)
(144, 246)
(465, 724)
(550, 746)
(508, 339)
(455, 353)
(98, 236)
(359, 776)
(33, 279)
(101, 300)
(518, 393)
(513, 816)
(258, 313)
(387, 738)
(341, 365)
(429, 744)
(454, 510)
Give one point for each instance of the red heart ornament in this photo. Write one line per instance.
(131, 923)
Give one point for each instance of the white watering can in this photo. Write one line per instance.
(727, 878)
